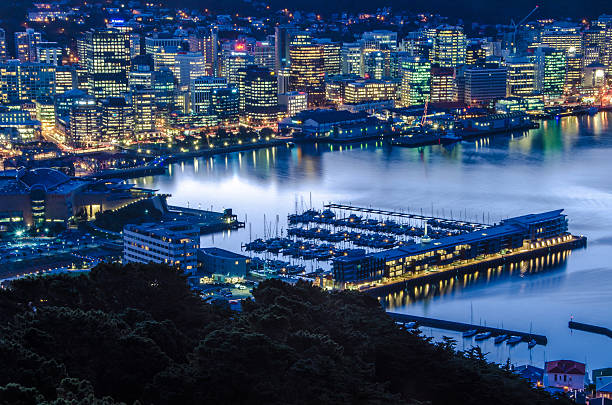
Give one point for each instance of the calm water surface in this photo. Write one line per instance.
(564, 164)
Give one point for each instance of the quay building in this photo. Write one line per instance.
(514, 234)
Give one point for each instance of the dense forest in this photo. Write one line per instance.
(138, 334)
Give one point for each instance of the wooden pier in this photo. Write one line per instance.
(475, 225)
(463, 327)
(585, 327)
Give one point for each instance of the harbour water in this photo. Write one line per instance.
(566, 163)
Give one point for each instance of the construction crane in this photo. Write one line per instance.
(516, 27)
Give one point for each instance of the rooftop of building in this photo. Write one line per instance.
(170, 230)
(565, 367)
(222, 253)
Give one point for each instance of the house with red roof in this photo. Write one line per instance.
(566, 374)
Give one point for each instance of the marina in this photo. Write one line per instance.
(267, 182)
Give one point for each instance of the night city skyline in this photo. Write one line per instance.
(263, 202)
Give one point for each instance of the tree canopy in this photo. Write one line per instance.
(138, 334)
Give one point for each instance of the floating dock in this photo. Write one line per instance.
(476, 225)
(463, 327)
(585, 327)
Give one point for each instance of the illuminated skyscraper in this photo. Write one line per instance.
(163, 86)
(449, 46)
(376, 64)
(484, 84)
(332, 61)
(205, 41)
(263, 55)
(416, 80)
(593, 43)
(307, 72)
(231, 62)
(521, 77)
(36, 80)
(570, 42)
(225, 105)
(45, 113)
(117, 120)
(108, 62)
(351, 59)
(259, 90)
(201, 93)
(443, 85)
(83, 129)
(191, 65)
(26, 43)
(3, 51)
(551, 69)
(143, 105)
(9, 82)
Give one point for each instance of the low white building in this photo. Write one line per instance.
(566, 374)
(173, 243)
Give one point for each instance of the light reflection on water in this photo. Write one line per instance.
(563, 164)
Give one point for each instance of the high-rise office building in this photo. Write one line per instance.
(551, 68)
(108, 62)
(143, 106)
(231, 62)
(45, 113)
(3, 51)
(332, 61)
(570, 42)
(201, 93)
(593, 44)
(351, 58)
(191, 65)
(259, 90)
(443, 85)
(117, 120)
(380, 39)
(448, 46)
(416, 80)
(83, 129)
(263, 54)
(9, 82)
(26, 43)
(484, 84)
(49, 52)
(226, 105)
(36, 80)
(282, 41)
(164, 88)
(307, 72)
(475, 54)
(521, 77)
(205, 41)
(376, 64)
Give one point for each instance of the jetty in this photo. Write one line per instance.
(443, 221)
(464, 327)
(585, 327)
